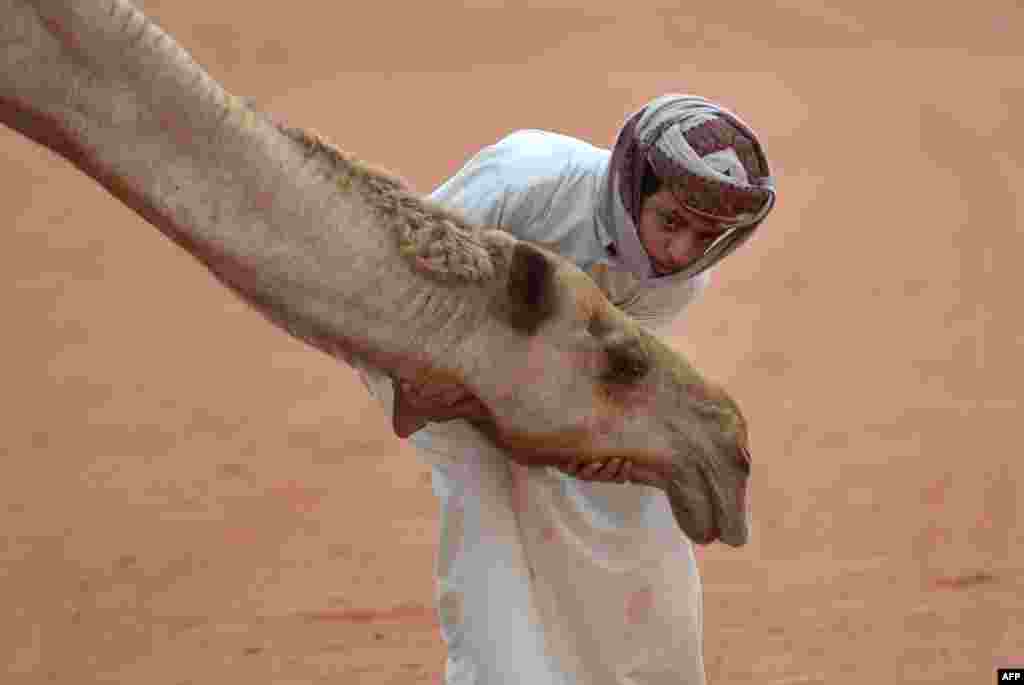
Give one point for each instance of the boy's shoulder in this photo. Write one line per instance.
(531, 160)
(535, 143)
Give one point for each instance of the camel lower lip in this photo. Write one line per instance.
(715, 530)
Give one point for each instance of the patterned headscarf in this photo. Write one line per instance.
(709, 159)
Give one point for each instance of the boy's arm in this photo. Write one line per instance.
(478, 192)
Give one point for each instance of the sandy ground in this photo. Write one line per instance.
(191, 497)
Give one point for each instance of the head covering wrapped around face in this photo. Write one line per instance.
(711, 162)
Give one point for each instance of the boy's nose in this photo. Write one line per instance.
(679, 250)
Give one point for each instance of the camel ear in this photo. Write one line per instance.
(530, 294)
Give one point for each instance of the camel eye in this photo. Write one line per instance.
(598, 327)
(627, 361)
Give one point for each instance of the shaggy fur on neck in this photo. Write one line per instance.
(436, 241)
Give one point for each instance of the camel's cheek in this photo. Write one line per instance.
(615, 404)
(605, 420)
(630, 398)
(586, 361)
(541, 365)
(601, 408)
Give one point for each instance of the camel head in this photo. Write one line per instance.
(579, 377)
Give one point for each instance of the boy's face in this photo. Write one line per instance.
(672, 235)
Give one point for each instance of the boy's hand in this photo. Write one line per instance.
(613, 471)
(434, 397)
(417, 405)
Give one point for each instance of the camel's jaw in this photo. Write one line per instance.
(732, 515)
(694, 508)
(732, 497)
(731, 518)
(704, 510)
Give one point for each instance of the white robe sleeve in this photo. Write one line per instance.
(508, 185)
(478, 191)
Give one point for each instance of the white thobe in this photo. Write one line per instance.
(542, 578)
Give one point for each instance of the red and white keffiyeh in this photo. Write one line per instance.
(710, 160)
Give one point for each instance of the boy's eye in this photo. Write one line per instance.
(673, 222)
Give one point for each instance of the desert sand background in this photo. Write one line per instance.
(190, 497)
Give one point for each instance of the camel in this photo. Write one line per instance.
(345, 258)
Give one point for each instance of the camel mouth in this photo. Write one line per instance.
(695, 508)
(711, 533)
(732, 530)
(717, 513)
(701, 511)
